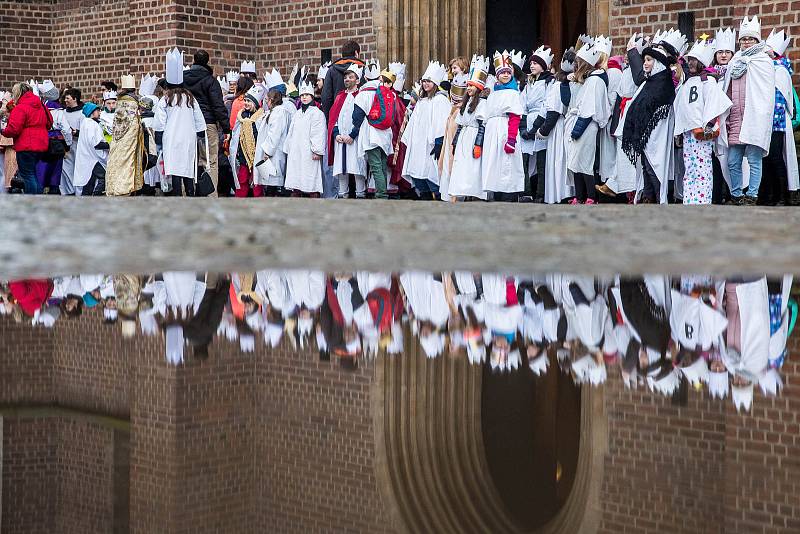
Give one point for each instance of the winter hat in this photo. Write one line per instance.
(88, 109)
(256, 95)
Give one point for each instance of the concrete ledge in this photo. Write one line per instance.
(46, 236)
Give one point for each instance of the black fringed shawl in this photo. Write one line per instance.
(651, 106)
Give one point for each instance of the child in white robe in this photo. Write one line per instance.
(270, 169)
(305, 147)
(91, 153)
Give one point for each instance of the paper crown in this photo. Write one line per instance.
(109, 95)
(750, 28)
(256, 93)
(147, 87)
(323, 70)
(128, 82)
(306, 88)
(566, 65)
(248, 67)
(273, 79)
(589, 54)
(584, 39)
(545, 54)
(742, 397)
(35, 86)
(672, 37)
(45, 86)
(399, 70)
(436, 72)
(703, 51)
(174, 67)
(506, 60)
(373, 70)
(223, 84)
(637, 41)
(778, 42)
(232, 76)
(389, 75)
(604, 44)
(478, 71)
(725, 40)
(356, 69)
(458, 87)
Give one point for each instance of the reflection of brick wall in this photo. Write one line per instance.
(702, 467)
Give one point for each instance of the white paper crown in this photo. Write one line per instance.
(585, 39)
(232, 76)
(356, 69)
(545, 54)
(306, 88)
(109, 95)
(750, 28)
(248, 67)
(742, 397)
(35, 86)
(148, 85)
(567, 66)
(45, 86)
(174, 67)
(399, 70)
(637, 40)
(478, 71)
(223, 84)
(436, 72)
(323, 70)
(604, 44)
(778, 42)
(273, 79)
(589, 54)
(372, 70)
(257, 93)
(128, 82)
(672, 37)
(703, 51)
(725, 40)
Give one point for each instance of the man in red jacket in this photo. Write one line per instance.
(28, 125)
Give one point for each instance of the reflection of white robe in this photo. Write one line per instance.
(694, 324)
(425, 297)
(307, 288)
(753, 299)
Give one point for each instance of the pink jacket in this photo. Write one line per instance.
(737, 92)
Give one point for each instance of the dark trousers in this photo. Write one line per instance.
(26, 162)
(584, 187)
(774, 181)
(720, 192)
(538, 184)
(96, 186)
(652, 187)
(505, 197)
(179, 183)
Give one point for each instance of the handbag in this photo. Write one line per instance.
(205, 185)
(56, 148)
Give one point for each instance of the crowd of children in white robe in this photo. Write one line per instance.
(666, 122)
(727, 335)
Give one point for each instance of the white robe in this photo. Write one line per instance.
(180, 123)
(624, 179)
(608, 143)
(345, 157)
(590, 102)
(86, 155)
(425, 125)
(501, 172)
(698, 103)
(533, 97)
(556, 187)
(465, 178)
(270, 144)
(233, 158)
(759, 99)
(370, 137)
(306, 137)
(783, 82)
(74, 119)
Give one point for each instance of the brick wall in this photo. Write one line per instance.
(26, 30)
(629, 16)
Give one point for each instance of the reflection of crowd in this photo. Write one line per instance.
(660, 332)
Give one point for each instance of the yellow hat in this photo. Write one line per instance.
(389, 75)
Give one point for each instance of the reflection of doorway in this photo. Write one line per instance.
(531, 434)
(526, 24)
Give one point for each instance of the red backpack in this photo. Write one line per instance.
(381, 114)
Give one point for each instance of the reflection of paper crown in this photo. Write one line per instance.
(778, 42)
(742, 397)
(697, 372)
(771, 382)
(725, 40)
(539, 364)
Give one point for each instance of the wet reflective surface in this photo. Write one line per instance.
(300, 401)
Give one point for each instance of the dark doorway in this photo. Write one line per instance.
(531, 435)
(526, 24)
(512, 24)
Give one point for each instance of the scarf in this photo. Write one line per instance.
(512, 84)
(648, 108)
(247, 137)
(741, 61)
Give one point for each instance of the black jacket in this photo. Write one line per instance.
(200, 81)
(334, 81)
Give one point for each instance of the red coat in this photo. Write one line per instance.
(28, 124)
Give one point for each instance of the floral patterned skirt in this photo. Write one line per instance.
(698, 180)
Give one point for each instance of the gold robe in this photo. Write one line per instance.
(124, 173)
